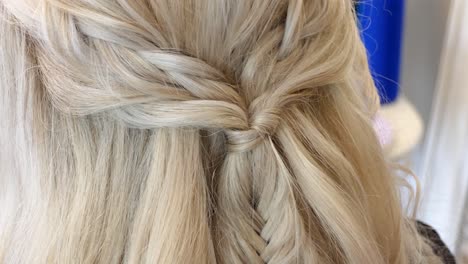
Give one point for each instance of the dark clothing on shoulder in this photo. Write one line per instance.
(438, 246)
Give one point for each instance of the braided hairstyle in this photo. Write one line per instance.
(192, 131)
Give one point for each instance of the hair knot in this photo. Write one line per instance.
(262, 125)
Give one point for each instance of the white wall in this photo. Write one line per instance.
(444, 166)
(424, 32)
(423, 41)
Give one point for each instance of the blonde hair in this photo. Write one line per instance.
(222, 131)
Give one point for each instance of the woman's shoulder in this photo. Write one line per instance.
(438, 246)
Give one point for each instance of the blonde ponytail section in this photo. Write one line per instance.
(195, 131)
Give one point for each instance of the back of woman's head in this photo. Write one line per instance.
(202, 131)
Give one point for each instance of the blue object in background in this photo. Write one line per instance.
(381, 23)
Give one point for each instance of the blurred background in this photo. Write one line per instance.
(418, 53)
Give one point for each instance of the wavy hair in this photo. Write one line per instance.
(194, 131)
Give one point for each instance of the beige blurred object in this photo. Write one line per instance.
(407, 127)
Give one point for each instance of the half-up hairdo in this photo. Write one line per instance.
(192, 131)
